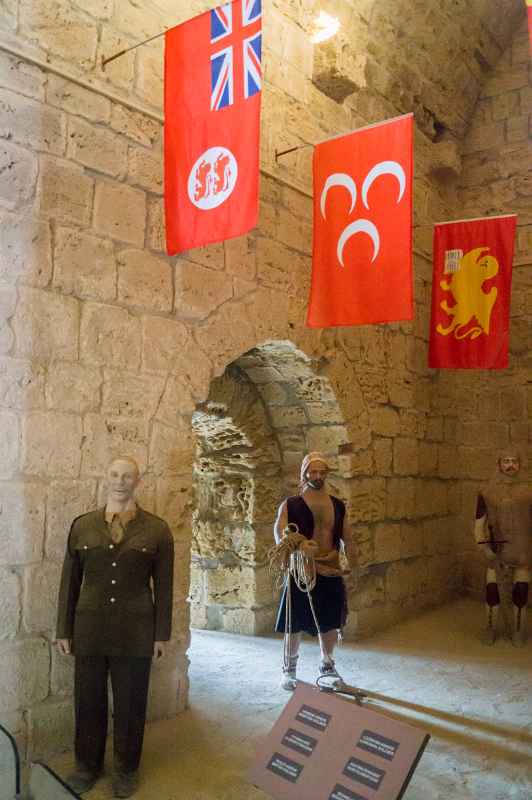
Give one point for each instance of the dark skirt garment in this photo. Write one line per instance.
(330, 605)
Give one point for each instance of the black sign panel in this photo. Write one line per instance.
(314, 717)
(299, 741)
(364, 773)
(379, 745)
(285, 767)
(343, 793)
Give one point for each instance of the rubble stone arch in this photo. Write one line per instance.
(268, 408)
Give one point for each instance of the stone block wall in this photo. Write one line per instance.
(107, 346)
(488, 411)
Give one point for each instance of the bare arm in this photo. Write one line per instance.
(281, 522)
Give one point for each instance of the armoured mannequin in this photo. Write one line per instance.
(503, 531)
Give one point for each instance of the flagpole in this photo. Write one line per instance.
(106, 61)
(279, 153)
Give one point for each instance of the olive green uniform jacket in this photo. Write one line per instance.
(116, 599)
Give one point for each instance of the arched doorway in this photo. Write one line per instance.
(266, 410)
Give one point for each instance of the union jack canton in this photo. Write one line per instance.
(237, 66)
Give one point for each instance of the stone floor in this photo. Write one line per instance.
(475, 701)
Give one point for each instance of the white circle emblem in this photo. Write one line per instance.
(212, 178)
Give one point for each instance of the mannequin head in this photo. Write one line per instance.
(314, 471)
(509, 464)
(123, 476)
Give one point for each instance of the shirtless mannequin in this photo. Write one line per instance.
(321, 518)
(503, 530)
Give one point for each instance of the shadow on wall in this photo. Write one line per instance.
(267, 409)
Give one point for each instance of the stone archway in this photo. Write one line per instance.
(266, 410)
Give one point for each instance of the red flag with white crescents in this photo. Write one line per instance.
(362, 250)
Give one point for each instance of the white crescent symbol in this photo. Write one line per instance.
(384, 168)
(338, 179)
(359, 226)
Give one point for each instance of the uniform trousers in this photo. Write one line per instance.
(129, 680)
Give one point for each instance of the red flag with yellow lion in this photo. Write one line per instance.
(471, 287)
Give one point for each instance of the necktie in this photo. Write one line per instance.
(116, 529)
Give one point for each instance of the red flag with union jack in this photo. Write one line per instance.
(211, 130)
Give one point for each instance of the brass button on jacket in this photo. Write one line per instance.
(141, 566)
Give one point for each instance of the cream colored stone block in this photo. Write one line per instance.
(61, 29)
(387, 542)
(25, 668)
(77, 100)
(156, 235)
(21, 384)
(135, 125)
(128, 395)
(25, 250)
(144, 280)
(9, 604)
(400, 498)
(46, 325)
(109, 336)
(134, 21)
(411, 540)
(31, 124)
(21, 76)
(51, 728)
(149, 85)
(174, 503)
(382, 454)
(327, 438)
(18, 169)
(121, 71)
(9, 444)
(431, 498)
(21, 522)
(240, 257)
(66, 500)
(165, 345)
(145, 169)
(198, 291)
(40, 597)
(176, 399)
(366, 499)
(64, 192)
(405, 456)
(51, 444)
(73, 387)
(120, 212)
(105, 437)
(97, 148)
(85, 265)
(384, 421)
(288, 417)
(171, 449)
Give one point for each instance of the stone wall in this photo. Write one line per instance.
(486, 411)
(109, 346)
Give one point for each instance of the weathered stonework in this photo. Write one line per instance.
(108, 346)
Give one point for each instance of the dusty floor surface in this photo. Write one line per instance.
(475, 701)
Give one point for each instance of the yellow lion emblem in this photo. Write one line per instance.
(472, 302)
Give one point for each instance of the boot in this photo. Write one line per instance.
(489, 633)
(330, 675)
(81, 780)
(125, 784)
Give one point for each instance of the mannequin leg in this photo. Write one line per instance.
(492, 607)
(288, 677)
(520, 601)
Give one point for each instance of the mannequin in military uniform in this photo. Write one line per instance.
(503, 530)
(114, 616)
